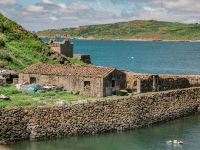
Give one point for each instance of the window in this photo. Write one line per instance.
(32, 80)
(87, 85)
(113, 83)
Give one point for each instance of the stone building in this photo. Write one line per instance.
(87, 80)
(84, 58)
(7, 75)
(65, 48)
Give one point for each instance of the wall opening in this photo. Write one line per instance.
(87, 85)
(32, 80)
(113, 83)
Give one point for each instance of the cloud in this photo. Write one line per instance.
(35, 8)
(44, 14)
(7, 2)
(53, 18)
(47, 1)
(62, 6)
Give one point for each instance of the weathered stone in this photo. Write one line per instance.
(117, 114)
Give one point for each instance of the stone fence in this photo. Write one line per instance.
(148, 82)
(99, 116)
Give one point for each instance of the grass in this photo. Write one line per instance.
(19, 98)
(20, 48)
(76, 61)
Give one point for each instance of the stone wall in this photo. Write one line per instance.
(92, 117)
(84, 58)
(3, 81)
(69, 83)
(166, 82)
(156, 83)
(97, 85)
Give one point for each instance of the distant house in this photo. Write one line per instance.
(88, 80)
(65, 47)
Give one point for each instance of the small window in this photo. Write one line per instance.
(113, 83)
(32, 80)
(87, 85)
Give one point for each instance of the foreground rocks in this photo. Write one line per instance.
(92, 117)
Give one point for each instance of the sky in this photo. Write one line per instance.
(37, 15)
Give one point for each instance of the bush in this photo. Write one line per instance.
(4, 55)
(2, 64)
(2, 43)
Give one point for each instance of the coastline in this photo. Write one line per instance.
(123, 39)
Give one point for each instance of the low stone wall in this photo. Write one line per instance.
(3, 81)
(165, 82)
(92, 117)
(162, 84)
(84, 58)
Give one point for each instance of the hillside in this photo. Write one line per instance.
(20, 48)
(138, 29)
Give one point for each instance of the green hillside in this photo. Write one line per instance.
(20, 48)
(138, 29)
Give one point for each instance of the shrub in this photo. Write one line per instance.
(4, 55)
(2, 43)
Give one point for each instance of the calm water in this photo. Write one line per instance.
(151, 57)
(187, 130)
(145, 57)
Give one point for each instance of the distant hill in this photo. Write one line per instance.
(138, 29)
(20, 48)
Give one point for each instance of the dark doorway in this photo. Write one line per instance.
(87, 85)
(32, 80)
(113, 83)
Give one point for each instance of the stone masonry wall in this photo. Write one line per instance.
(163, 84)
(3, 81)
(166, 82)
(92, 117)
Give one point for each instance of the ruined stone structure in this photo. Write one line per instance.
(153, 83)
(3, 81)
(65, 48)
(84, 58)
(87, 80)
(92, 117)
(7, 76)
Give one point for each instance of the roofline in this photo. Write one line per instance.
(103, 76)
(65, 75)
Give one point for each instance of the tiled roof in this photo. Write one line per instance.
(59, 69)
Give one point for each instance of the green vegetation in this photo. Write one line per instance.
(19, 98)
(138, 29)
(76, 61)
(20, 48)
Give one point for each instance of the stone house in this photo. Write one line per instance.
(65, 48)
(88, 80)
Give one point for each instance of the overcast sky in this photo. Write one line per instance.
(37, 15)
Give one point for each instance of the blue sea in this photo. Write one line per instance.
(144, 57)
(155, 57)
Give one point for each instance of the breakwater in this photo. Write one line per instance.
(100, 116)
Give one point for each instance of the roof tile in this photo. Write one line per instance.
(60, 69)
